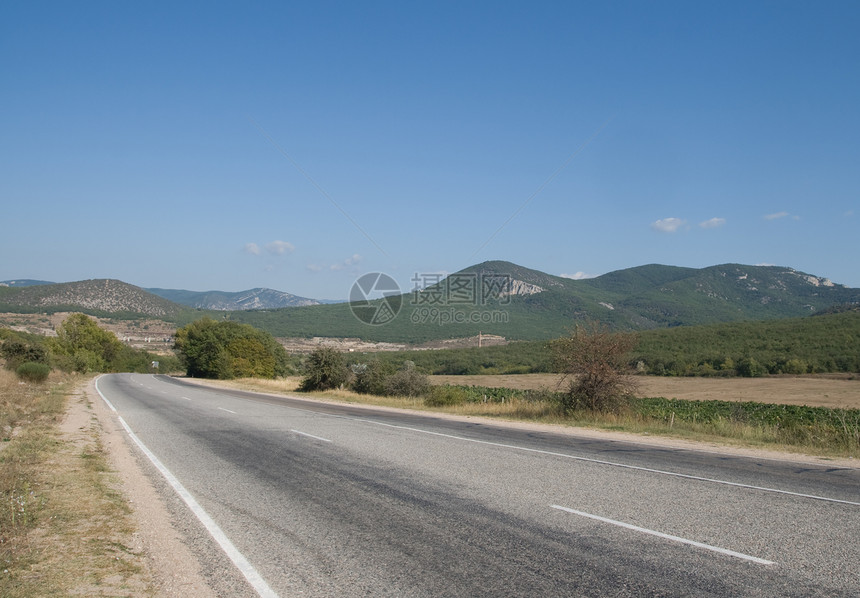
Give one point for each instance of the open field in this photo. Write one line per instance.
(815, 391)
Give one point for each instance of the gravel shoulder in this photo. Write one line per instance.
(175, 571)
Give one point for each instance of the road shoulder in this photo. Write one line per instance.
(175, 570)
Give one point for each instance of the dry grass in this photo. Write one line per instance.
(65, 529)
(279, 385)
(821, 391)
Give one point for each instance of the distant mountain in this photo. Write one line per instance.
(101, 296)
(667, 296)
(498, 298)
(655, 295)
(23, 283)
(515, 302)
(259, 298)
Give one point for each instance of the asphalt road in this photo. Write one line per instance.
(319, 499)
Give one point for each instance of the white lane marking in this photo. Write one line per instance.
(227, 410)
(239, 560)
(310, 436)
(643, 530)
(186, 398)
(611, 463)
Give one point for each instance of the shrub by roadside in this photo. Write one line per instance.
(33, 372)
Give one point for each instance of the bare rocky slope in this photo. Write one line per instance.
(98, 295)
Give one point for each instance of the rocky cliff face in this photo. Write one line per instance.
(519, 287)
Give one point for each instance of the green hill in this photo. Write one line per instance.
(522, 304)
(495, 297)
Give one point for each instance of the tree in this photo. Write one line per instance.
(224, 350)
(249, 358)
(325, 368)
(88, 347)
(593, 360)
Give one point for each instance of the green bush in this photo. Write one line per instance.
(370, 378)
(325, 368)
(794, 366)
(407, 382)
(33, 372)
(17, 351)
(749, 367)
(446, 396)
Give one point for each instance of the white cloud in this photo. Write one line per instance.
(350, 261)
(713, 223)
(668, 225)
(252, 248)
(578, 276)
(775, 215)
(279, 247)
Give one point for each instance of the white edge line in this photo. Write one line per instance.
(611, 463)
(643, 530)
(310, 436)
(239, 560)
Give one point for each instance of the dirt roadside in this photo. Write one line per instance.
(175, 572)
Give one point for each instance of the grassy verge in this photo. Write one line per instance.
(64, 527)
(812, 430)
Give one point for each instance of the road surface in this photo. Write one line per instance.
(290, 497)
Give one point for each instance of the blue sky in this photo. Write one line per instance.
(298, 145)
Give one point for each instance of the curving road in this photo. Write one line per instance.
(295, 497)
